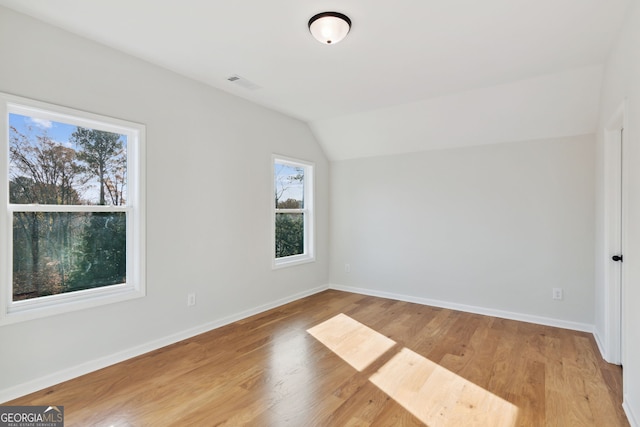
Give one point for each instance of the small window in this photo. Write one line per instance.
(72, 191)
(293, 212)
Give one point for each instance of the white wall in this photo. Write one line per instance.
(622, 81)
(208, 203)
(490, 229)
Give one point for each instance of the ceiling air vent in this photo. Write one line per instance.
(241, 81)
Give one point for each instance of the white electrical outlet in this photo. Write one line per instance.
(191, 299)
(557, 293)
(347, 268)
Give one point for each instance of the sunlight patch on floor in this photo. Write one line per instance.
(438, 397)
(433, 394)
(355, 343)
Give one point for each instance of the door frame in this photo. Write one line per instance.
(615, 215)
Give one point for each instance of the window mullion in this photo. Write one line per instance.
(278, 210)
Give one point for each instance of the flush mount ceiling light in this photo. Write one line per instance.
(329, 27)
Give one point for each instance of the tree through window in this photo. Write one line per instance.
(70, 203)
(54, 163)
(293, 203)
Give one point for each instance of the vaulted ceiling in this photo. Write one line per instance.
(411, 75)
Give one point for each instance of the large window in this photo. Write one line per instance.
(293, 212)
(73, 218)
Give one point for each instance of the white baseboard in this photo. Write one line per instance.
(633, 420)
(600, 343)
(93, 365)
(547, 321)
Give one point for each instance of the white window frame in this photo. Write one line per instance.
(135, 285)
(309, 221)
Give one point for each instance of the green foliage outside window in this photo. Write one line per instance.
(289, 234)
(56, 252)
(289, 203)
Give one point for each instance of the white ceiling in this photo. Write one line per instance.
(411, 75)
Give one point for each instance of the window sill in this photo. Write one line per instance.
(65, 303)
(292, 261)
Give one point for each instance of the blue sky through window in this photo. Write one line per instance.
(288, 185)
(33, 128)
(57, 131)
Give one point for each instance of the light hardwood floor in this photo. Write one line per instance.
(342, 359)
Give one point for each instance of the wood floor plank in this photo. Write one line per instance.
(438, 367)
